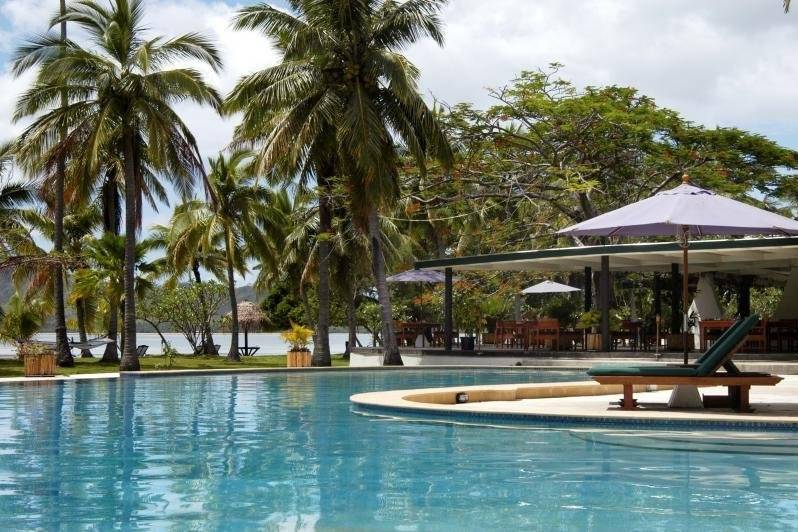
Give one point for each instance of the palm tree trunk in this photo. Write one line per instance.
(208, 347)
(111, 353)
(351, 321)
(130, 361)
(232, 355)
(63, 352)
(80, 310)
(392, 356)
(321, 345)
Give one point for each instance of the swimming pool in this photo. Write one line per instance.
(276, 451)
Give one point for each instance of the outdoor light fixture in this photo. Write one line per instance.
(461, 397)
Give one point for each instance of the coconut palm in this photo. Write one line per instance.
(103, 275)
(344, 94)
(79, 222)
(22, 318)
(120, 93)
(175, 267)
(237, 218)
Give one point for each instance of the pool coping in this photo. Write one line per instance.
(395, 403)
(237, 371)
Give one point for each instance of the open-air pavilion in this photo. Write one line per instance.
(773, 260)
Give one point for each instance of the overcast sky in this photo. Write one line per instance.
(727, 63)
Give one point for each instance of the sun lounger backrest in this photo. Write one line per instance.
(720, 339)
(715, 360)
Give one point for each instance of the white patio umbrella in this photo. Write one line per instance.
(549, 287)
(683, 212)
(422, 277)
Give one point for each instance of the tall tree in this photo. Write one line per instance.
(118, 89)
(238, 217)
(344, 93)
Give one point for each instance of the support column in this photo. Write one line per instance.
(604, 303)
(657, 288)
(588, 288)
(676, 300)
(447, 309)
(744, 296)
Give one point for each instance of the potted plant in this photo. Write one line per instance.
(298, 339)
(39, 360)
(590, 321)
(468, 314)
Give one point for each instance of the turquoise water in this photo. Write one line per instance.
(286, 451)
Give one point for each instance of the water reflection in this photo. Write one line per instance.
(285, 451)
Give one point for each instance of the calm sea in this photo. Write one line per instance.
(269, 343)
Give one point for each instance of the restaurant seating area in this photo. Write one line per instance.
(547, 334)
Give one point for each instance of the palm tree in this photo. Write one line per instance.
(343, 93)
(175, 266)
(120, 94)
(79, 223)
(103, 275)
(237, 217)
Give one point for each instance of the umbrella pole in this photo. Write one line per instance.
(685, 243)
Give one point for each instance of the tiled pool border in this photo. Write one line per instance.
(544, 420)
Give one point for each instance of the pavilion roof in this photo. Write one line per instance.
(766, 257)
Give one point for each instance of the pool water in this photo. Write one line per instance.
(288, 451)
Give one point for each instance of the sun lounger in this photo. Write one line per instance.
(703, 373)
(142, 350)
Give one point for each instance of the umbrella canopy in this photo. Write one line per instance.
(549, 287)
(250, 314)
(685, 208)
(683, 211)
(418, 276)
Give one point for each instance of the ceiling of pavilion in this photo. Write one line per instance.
(764, 257)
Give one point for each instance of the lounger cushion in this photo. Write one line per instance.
(641, 371)
(714, 361)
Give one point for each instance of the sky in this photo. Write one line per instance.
(717, 62)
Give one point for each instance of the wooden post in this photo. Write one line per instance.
(604, 302)
(588, 288)
(744, 296)
(657, 288)
(447, 309)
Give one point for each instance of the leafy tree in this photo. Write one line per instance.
(343, 92)
(191, 308)
(119, 93)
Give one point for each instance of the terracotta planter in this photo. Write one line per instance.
(40, 364)
(298, 359)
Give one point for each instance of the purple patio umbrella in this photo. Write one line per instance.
(421, 277)
(683, 212)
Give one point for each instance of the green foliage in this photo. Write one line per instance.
(370, 317)
(21, 319)
(592, 320)
(297, 337)
(191, 308)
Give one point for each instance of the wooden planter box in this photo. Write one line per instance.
(675, 342)
(298, 359)
(593, 341)
(39, 364)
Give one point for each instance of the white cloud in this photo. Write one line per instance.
(728, 63)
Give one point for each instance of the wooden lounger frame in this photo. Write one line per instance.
(739, 386)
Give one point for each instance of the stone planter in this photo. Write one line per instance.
(298, 359)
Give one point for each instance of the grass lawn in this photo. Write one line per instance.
(13, 368)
